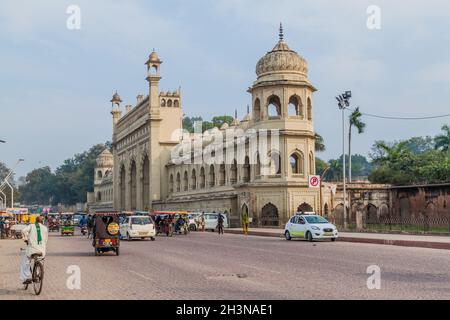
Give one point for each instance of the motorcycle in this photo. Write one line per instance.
(83, 230)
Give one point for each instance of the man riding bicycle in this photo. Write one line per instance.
(35, 236)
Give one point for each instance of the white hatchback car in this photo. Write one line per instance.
(135, 227)
(310, 227)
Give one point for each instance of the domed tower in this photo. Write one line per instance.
(282, 100)
(104, 164)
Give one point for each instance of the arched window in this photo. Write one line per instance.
(257, 166)
(246, 176)
(274, 106)
(163, 102)
(295, 106)
(233, 172)
(185, 181)
(99, 196)
(222, 174)
(311, 163)
(194, 180)
(296, 161)
(202, 178)
(212, 176)
(169, 103)
(99, 174)
(257, 110)
(178, 182)
(171, 183)
(309, 109)
(176, 103)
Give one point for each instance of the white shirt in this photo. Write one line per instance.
(30, 233)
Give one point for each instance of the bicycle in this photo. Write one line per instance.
(37, 273)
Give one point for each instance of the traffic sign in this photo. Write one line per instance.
(314, 181)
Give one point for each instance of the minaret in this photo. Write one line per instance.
(153, 76)
(115, 111)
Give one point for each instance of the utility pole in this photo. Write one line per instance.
(343, 103)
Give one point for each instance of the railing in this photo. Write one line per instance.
(418, 225)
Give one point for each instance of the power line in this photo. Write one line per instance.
(403, 118)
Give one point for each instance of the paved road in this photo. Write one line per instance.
(209, 266)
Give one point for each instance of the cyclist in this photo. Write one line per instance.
(35, 236)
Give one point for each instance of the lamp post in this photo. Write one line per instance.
(6, 182)
(343, 104)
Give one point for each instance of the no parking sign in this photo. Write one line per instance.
(314, 181)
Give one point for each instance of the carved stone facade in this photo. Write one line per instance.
(263, 169)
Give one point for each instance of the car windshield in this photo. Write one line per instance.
(316, 219)
(141, 220)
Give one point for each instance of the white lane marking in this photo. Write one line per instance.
(140, 275)
(262, 269)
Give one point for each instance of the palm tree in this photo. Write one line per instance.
(355, 120)
(442, 141)
(319, 143)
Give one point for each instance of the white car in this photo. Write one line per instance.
(135, 227)
(310, 227)
(211, 220)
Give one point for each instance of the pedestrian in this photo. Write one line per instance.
(220, 224)
(2, 228)
(245, 223)
(202, 221)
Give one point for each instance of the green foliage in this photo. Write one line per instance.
(218, 121)
(319, 143)
(413, 161)
(68, 184)
(361, 167)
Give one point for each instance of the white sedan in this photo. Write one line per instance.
(136, 227)
(310, 227)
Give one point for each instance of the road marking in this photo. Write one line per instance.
(140, 275)
(262, 269)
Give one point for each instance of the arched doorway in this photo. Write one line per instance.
(371, 213)
(122, 188)
(269, 216)
(305, 207)
(133, 186)
(146, 183)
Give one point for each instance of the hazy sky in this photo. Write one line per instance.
(56, 83)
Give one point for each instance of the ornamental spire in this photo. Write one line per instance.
(281, 34)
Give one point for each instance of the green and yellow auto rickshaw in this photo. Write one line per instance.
(67, 224)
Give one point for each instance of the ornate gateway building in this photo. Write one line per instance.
(257, 166)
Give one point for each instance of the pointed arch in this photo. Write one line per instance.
(212, 176)
(273, 106)
(171, 183)
(297, 162)
(185, 181)
(309, 107)
(295, 107)
(257, 110)
(193, 180)
(202, 178)
(178, 182)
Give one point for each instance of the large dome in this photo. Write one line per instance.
(281, 60)
(105, 159)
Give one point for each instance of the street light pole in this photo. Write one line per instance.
(343, 104)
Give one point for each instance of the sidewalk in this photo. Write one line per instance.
(421, 241)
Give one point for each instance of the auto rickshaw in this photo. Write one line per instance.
(106, 232)
(53, 222)
(164, 221)
(67, 224)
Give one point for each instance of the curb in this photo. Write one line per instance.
(402, 243)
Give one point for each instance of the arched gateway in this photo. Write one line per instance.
(269, 216)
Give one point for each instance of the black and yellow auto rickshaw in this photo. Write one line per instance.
(106, 232)
(67, 224)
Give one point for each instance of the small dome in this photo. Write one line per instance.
(116, 98)
(105, 159)
(246, 118)
(235, 122)
(281, 60)
(224, 126)
(153, 58)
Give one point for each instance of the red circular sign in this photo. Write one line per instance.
(314, 181)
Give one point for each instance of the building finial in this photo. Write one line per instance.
(248, 109)
(281, 34)
(235, 113)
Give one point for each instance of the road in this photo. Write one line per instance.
(209, 266)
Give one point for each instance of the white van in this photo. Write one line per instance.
(211, 220)
(135, 227)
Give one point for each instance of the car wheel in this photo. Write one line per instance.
(309, 236)
(152, 238)
(287, 235)
(129, 237)
(333, 239)
(117, 251)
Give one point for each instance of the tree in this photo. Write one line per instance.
(354, 121)
(442, 141)
(319, 144)
(39, 188)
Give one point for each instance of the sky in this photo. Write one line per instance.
(56, 82)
